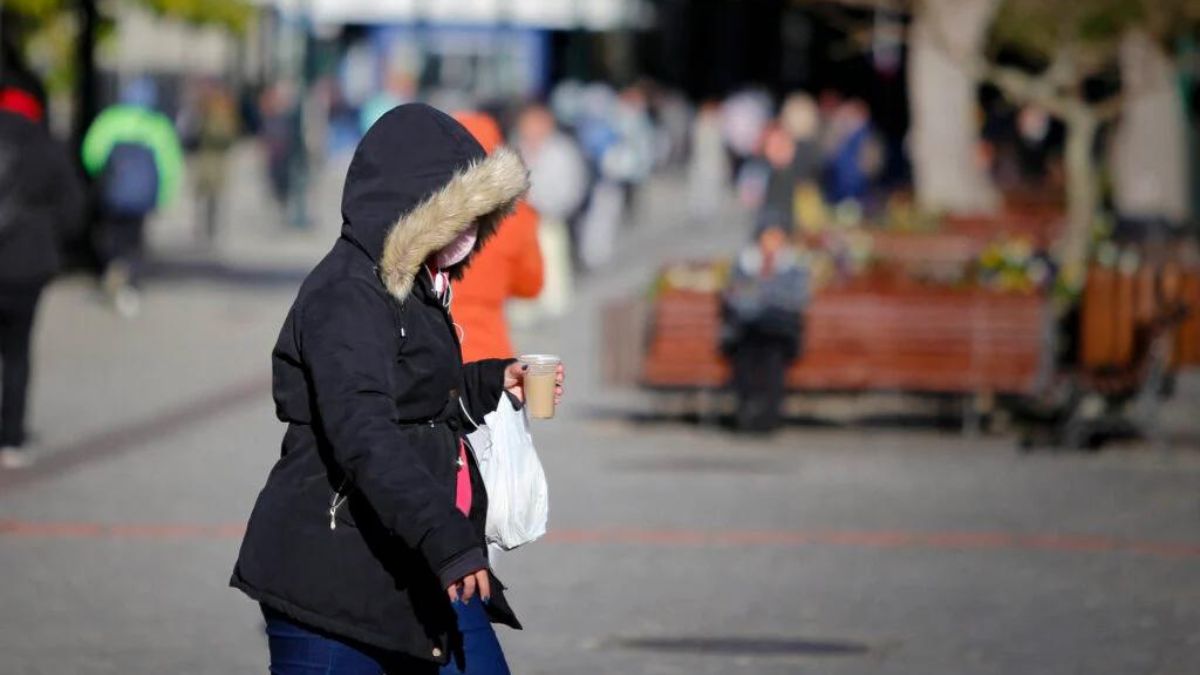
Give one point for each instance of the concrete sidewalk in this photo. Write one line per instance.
(672, 548)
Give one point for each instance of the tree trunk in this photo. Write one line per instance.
(1149, 156)
(87, 104)
(947, 36)
(1083, 191)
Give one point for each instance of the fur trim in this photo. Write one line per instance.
(485, 191)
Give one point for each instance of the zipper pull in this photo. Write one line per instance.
(333, 517)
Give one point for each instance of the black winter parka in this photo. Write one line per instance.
(356, 532)
(41, 202)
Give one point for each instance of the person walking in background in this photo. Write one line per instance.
(779, 199)
(367, 543)
(744, 116)
(801, 119)
(134, 157)
(41, 205)
(509, 267)
(857, 155)
(631, 159)
(763, 324)
(283, 145)
(622, 164)
(398, 88)
(708, 164)
(217, 129)
(559, 179)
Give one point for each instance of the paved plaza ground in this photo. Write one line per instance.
(673, 548)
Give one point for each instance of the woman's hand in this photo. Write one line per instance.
(514, 381)
(465, 587)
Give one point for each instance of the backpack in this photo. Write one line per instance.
(129, 182)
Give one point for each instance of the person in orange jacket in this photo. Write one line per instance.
(510, 266)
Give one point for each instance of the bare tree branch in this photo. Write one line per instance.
(1063, 71)
(1110, 108)
(1021, 87)
(898, 6)
(1058, 88)
(857, 32)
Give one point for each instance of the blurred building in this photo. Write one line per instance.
(481, 49)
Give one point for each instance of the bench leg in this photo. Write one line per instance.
(977, 410)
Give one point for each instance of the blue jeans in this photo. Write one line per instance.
(296, 650)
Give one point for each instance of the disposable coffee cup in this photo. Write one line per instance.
(541, 380)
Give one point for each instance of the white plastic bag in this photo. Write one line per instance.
(518, 505)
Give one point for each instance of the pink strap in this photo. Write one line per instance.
(462, 496)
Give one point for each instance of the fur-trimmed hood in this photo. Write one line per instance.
(417, 181)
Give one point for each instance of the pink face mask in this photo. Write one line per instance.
(458, 250)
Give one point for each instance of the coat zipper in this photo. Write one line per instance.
(336, 503)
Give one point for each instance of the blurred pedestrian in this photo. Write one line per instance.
(674, 114)
(398, 88)
(779, 151)
(629, 161)
(41, 205)
(510, 266)
(370, 529)
(283, 143)
(744, 116)
(559, 181)
(763, 324)
(593, 228)
(217, 129)
(801, 118)
(708, 165)
(857, 154)
(135, 158)
(744, 119)
(625, 160)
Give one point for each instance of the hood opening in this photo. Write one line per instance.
(417, 181)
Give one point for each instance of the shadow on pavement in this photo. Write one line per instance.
(746, 646)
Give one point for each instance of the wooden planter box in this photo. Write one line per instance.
(1120, 308)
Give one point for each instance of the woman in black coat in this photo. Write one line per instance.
(358, 538)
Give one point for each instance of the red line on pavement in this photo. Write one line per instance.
(152, 531)
(947, 541)
(867, 539)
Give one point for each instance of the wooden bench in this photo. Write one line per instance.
(926, 340)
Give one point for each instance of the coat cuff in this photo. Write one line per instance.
(458, 567)
(484, 382)
(448, 542)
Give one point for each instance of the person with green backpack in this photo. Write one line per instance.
(133, 154)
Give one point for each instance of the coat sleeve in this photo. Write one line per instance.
(528, 268)
(98, 141)
(347, 342)
(64, 194)
(484, 384)
(168, 155)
